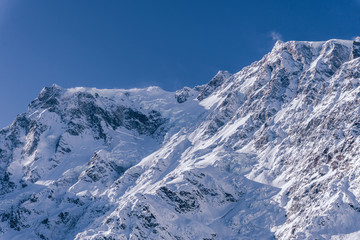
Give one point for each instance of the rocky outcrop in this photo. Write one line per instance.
(268, 152)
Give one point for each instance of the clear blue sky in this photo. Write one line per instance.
(169, 43)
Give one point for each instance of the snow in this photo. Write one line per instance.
(269, 152)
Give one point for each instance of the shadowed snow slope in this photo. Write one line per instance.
(269, 152)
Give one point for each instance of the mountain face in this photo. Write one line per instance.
(270, 152)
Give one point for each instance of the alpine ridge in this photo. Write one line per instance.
(270, 152)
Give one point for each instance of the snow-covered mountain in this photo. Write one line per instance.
(269, 152)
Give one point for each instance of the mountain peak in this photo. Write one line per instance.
(268, 152)
(47, 91)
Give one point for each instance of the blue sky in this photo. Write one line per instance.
(125, 44)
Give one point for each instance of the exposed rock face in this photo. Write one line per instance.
(215, 82)
(356, 49)
(184, 94)
(268, 152)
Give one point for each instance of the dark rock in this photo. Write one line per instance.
(182, 95)
(215, 82)
(355, 53)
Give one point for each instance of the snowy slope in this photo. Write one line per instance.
(268, 152)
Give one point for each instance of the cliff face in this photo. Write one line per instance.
(270, 151)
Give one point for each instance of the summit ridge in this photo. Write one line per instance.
(271, 151)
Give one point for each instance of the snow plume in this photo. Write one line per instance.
(276, 36)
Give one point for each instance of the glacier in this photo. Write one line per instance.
(270, 152)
